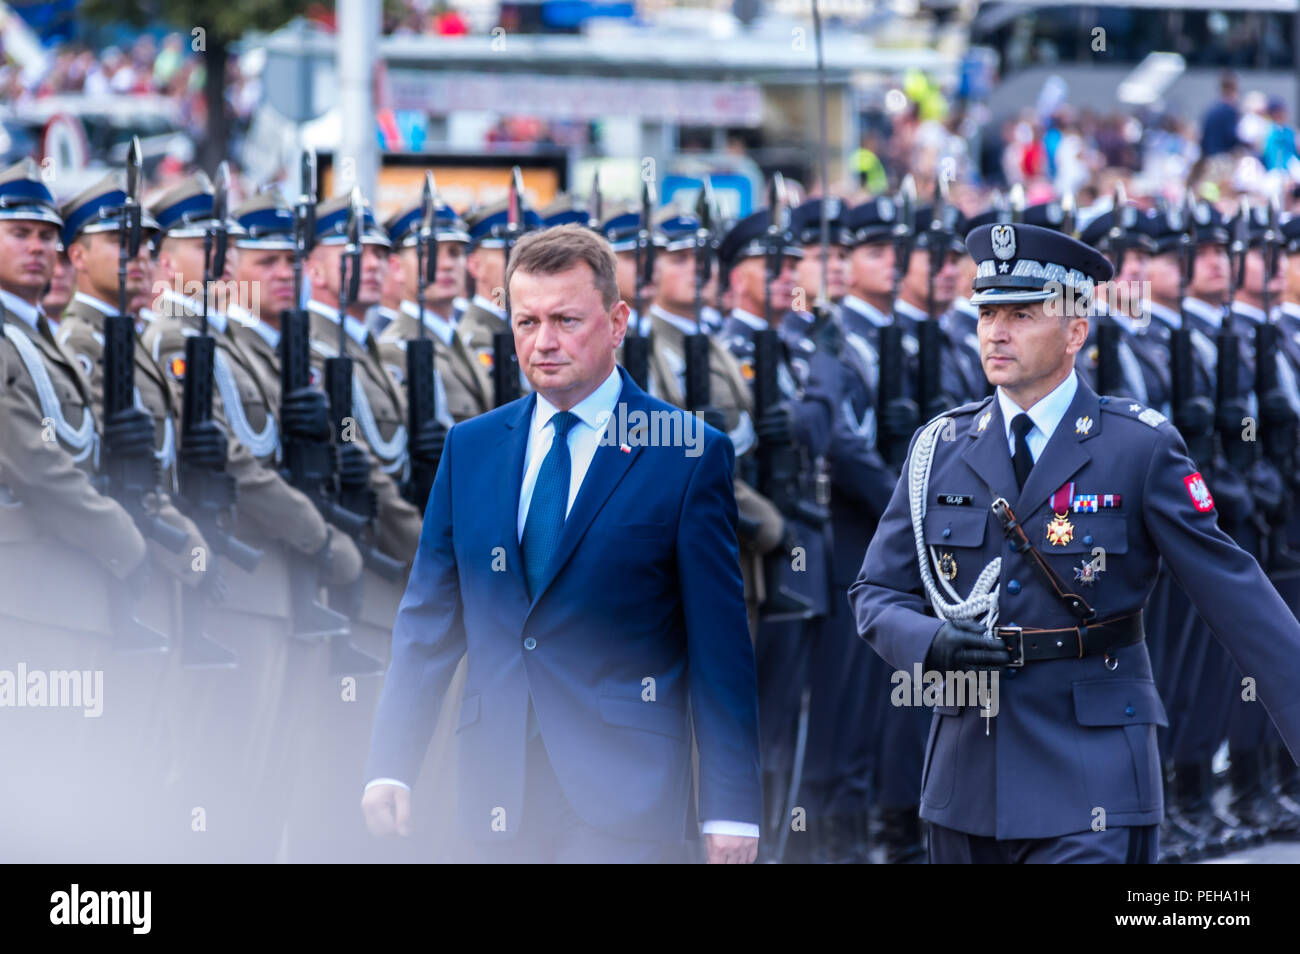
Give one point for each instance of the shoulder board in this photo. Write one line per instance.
(1132, 409)
(970, 408)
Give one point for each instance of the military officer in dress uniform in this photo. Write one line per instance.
(1057, 762)
(91, 228)
(847, 678)
(486, 264)
(672, 319)
(461, 383)
(790, 617)
(621, 227)
(68, 556)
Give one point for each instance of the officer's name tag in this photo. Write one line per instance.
(955, 500)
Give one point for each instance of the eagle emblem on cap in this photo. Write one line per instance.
(1004, 241)
(885, 207)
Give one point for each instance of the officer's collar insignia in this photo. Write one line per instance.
(984, 421)
(1086, 573)
(1004, 241)
(948, 566)
(1083, 425)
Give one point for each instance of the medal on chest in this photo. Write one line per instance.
(1059, 529)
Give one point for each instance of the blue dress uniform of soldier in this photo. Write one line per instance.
(1067, 769)
(846, 677)
(783, 645)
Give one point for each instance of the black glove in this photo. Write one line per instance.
(1275, 409)
(776, 426)
(1195, 415)
(899, 417)
(204, 447)
(354, 465)
(1228, 417)
(304, 414)
(427, 443)
(129, 433)
(960, 645)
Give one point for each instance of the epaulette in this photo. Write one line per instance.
(970, 408)
(1126, 407)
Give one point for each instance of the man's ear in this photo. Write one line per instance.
(77, 252)
(1076, 334)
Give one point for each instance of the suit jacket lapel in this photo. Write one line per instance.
(988, 454)
(1064, 454)
(608, 467)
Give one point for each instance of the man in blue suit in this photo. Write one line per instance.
(1023, 542)
(580, 547)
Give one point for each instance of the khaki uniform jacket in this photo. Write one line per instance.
(476, 328)
(466, 386)
(398, 524)
(58, 534)
(271, 515)
(81, 333)
(729, 392)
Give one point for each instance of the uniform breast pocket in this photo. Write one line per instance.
(1085, 533)
(956, 537)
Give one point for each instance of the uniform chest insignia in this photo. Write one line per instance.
(1083, 425)
(984, 421)
(485, 357)
(1152, 417)
(1086, 573)
(747, 370)
(1059, 530)
(947, 566)
(176, 366)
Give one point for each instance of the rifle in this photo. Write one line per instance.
(636, 349)
(780, 465)
(698, 389)
(1193, 413)
(505, 362)
(208, 492)
(1227, 387)
(421, 395)
(307, 460)
(929, 384)
(897, 414)
(1110, 375)
(130, 478)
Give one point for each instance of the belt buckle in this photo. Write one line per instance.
(1007, 633)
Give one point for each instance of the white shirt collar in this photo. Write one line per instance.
(1248, 311)
(1210, 314)
(910, 310)
(215, 318)
(748, 318)
(866, 310)
(356, 330)
(1046, 414)
(439, 325)
(270, 335)
(95, 303)
(1166, 314)
(594, 410)
(680, 322)
(489, 306)
(1290, 309)
(16, 306)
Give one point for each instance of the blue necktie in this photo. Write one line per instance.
(550, 501)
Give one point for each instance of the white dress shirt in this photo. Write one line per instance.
(593, 413)
(866, 310)
(439, 325)
(1046, 414)
(356, 330)
(489, 306)
(24, 310)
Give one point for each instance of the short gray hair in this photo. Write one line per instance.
(560, 248)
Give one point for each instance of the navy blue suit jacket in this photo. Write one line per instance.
(638, 629)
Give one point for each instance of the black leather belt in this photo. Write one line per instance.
(1071, 642)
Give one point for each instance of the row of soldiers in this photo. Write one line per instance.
(223, 444)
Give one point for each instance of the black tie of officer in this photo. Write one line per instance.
(1022, 460)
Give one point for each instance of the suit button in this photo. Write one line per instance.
(1130, 711)
(530, 643)
(1013, 586)
(947, 531)
(1088, 540)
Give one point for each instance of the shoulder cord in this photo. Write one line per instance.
(982, 603)
(82, 439)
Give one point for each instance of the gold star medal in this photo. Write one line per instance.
(948, 566)
(1060, 531)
